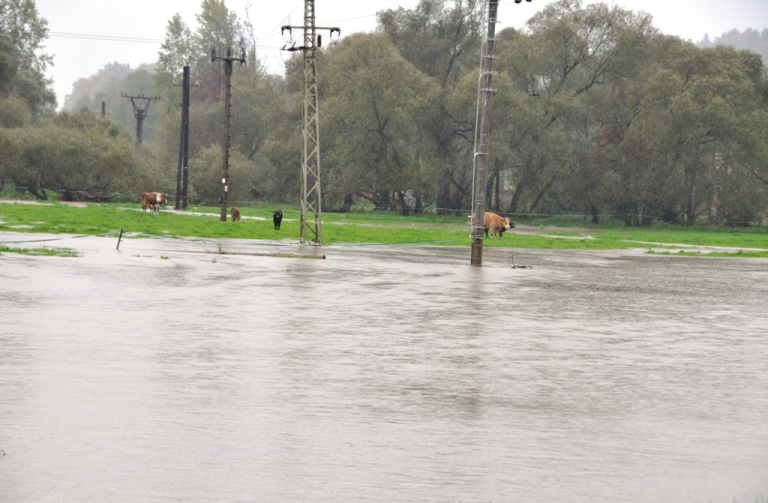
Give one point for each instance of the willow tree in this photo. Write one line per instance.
(374, 100)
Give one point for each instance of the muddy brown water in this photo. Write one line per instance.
(168, 372)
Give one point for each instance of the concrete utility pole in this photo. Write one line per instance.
(181, 194)
(481, 153)
(310, 163)
(228, 59)
(140, 112)
(485, 127)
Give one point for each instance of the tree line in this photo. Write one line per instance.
(595, 112)
(749, 39)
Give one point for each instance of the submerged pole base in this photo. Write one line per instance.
(477, 252)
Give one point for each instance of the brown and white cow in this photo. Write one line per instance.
(153, 200)
(495, 224)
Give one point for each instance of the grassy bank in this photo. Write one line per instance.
(356, 228)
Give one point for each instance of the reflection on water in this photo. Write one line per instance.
(381, 374)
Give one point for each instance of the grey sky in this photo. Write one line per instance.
(77, 56)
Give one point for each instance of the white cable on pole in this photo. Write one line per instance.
(477, 110)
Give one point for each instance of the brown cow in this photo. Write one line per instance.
(494, 223)
(235, 214)
(153, 200)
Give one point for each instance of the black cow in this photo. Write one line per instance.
(277, 217)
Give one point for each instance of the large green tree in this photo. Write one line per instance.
(177, 51)
(568, 58)
(441, 38)
(23, 63)
(374, 145)
(27, 30)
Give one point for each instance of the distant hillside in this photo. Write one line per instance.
(107, 86)
(749, 39)
(88, 87)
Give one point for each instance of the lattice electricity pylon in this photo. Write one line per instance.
(140, 112)
(311, 232)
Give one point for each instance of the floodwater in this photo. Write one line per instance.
(169, 372)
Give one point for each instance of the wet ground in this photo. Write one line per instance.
(168, 371)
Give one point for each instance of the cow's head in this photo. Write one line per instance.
(160, 198)
(510, 223)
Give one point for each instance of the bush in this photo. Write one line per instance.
(205, 177)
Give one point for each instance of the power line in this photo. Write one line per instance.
(108, 38)
(111, 38)
(273, 32)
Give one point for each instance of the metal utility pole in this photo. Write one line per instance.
(181, 194)
(228, 59)
(140, 111)
(310, 163)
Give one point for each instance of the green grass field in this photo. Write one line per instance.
(369, 228)
(41, 252)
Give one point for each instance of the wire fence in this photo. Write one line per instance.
(34, 193)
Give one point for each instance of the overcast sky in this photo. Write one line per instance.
(80, 30)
